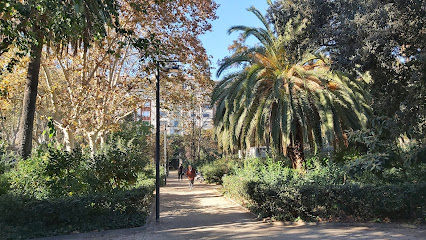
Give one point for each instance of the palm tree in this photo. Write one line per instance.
(288, 103)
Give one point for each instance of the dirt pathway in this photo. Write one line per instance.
(203, 213)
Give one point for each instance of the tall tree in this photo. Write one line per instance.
(11, 87)
(292, 101)
(385, 38)
(32, 24)
(88, 92)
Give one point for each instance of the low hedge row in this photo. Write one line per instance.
(214, 171)
(22, 217)
(405, 202)
(236, 187)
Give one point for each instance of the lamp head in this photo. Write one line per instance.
(174, 69)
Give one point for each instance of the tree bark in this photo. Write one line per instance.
(92, 137)
(26, 124)
(69, 140)
(295, 150)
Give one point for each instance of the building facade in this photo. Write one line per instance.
(177, 121)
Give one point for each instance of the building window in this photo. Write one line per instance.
(175, 124)
(206, 115)
(163, 114)
(147, 104)
(146, 113)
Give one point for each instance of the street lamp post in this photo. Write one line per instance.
(166, 167)
(157, 138)
(157, 146)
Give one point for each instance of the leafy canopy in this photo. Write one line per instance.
(278, 97)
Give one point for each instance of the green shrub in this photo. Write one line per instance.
(393, 175)
(7, 161)
(309, 202)
(326, 191)
(53, 172)
(4, 182)
(117, 166)
(236, 187)
(65, 172)
(28, 177)
(214, 171)
(22, 217)
(50, 173)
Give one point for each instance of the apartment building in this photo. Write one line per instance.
(177, 121)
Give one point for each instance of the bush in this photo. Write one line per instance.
(117, 166)
(6, 163)
(236, 187)
(23, 217)
(353, 201)
(213, 172)
(53, 172)
(4, 180)
(325, 191)
(28, 177)
(50, 173)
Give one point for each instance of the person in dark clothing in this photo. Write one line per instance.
(180, 171)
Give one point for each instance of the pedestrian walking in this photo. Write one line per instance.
(191, 175)
(180, 172)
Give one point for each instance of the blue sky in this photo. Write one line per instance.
(230, 13)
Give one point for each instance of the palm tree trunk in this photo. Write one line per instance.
(26, 124)
(295, 150)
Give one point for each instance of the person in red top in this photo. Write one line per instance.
(191, 175)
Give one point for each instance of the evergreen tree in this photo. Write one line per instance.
(385, 38)
(280, 96)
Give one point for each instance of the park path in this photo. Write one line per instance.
(203, 213)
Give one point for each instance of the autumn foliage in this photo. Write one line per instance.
(89, 90)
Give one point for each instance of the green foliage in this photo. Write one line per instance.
(4, 181)
(214, 171)
(6, 163)
(351, 201)
(56, 192)
(382, 152)
(117, 165)
(28, 177)
(133, 131)
(276, 173)
(53, 172)
(176, 149)
(22, 217)
(327, 191)
(383, 38)
(236, 187)
(285, 101)
(360, 172)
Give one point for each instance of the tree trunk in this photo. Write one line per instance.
(268, 151)
(295, 150)
(69, 140)
(26, 124)
(198, 146)
(92, 137)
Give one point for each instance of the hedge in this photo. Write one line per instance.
(405, 202)
(23, 217)
(213, 172)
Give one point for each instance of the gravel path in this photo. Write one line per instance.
(203, 213)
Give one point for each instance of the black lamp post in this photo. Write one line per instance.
(157, 138)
